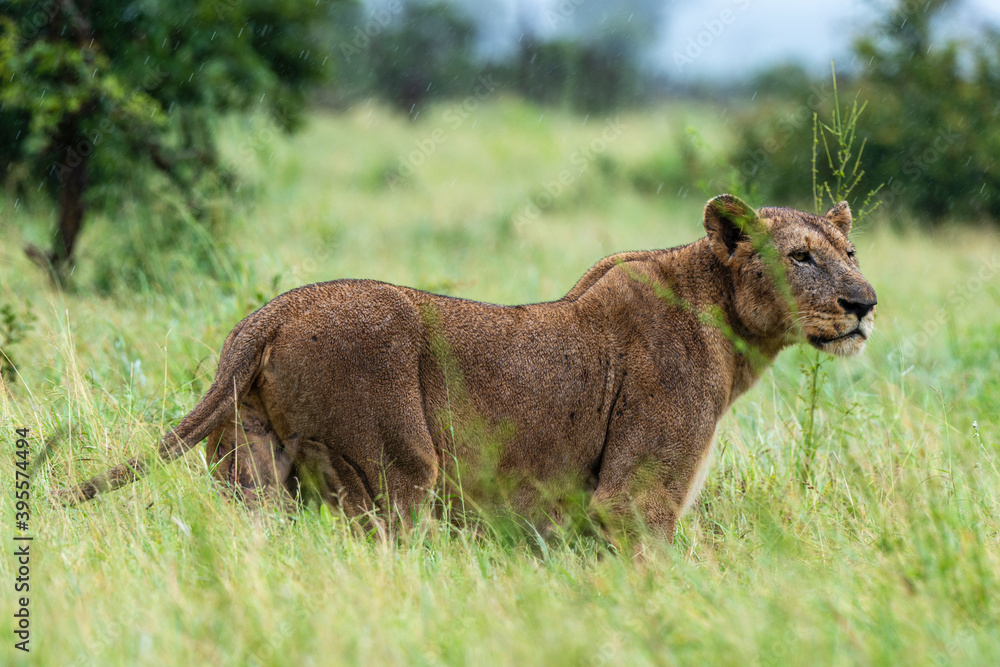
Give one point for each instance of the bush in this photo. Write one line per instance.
(588, 76)
(931, 126)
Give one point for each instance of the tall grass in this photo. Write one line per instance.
(888, 555)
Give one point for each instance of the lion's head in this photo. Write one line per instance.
(795, 275)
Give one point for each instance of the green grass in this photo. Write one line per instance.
(891, 554)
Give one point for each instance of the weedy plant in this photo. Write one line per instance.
(839, 137)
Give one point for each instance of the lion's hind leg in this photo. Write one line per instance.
(247, 458)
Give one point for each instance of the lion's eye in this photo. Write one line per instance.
(850, 253)
(801, 256)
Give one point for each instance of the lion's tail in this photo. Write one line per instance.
(241, 359)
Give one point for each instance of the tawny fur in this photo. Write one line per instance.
(372, 393)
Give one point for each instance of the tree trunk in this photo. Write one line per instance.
(72, 153)
(72, 186)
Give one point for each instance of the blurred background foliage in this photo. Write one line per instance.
(117, 104)
(932, 121)
(101, 99)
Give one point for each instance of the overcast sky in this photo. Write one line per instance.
(758, 33)
(699, 39)
(730, 38)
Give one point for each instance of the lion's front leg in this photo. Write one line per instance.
(651, 473)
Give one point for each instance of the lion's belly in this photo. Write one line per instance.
(524, 398)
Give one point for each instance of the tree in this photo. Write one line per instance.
(411, 52)
(933, 130)
(95, 94)
(590, 76)
(932, 124)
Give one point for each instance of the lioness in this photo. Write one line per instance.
(374, 392)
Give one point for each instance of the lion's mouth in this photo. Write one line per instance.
(819, 340)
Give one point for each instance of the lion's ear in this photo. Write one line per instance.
(840, 216)
(728, 221)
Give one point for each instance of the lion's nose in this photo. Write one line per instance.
(859, 308)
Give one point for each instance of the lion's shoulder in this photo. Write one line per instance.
(601, 268)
